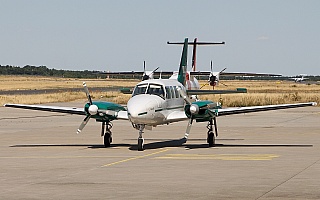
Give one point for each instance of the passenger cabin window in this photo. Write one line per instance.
(176, 92)
(168, 92)
(173, 95)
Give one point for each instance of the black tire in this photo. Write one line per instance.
(140, 144)
(211, 139)
(107, 139)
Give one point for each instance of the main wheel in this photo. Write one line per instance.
(140, 144)
(211, 139)
(107, 139)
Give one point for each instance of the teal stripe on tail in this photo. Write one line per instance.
(183, 63)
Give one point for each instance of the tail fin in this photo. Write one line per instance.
(194, 54)
(183, 63)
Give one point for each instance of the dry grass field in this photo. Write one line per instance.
(259, 92)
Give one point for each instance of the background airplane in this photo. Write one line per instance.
(157, 102)
(300, 79)
(214, 77)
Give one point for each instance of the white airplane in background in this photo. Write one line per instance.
(214, 77)
(300, 79)
(156, 102)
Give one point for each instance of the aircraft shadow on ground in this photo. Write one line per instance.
(166, 143)
(91, 146)
(182, 143)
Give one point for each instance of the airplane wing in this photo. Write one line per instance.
(69, 110)
(207, 73)
(77, 111)
(240, 110)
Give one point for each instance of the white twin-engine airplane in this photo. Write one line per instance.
(156, 102)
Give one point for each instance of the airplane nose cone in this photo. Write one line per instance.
(141, 109)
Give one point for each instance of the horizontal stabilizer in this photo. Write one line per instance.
(197, 43)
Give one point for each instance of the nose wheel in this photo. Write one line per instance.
(140, 139)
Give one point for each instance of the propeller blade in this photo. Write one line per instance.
(154, 71)
(203, 85)
(215, 126)
(224, 84)
(222, 70)
(188, 128)
(211, 66)
(184, 96)
(87, 92)
(83, 124)
(103, 128)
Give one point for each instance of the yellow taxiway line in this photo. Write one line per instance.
(134, 158)
(219, 157)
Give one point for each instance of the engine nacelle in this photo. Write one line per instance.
(200, 110)
(212, 80)
(103, 111)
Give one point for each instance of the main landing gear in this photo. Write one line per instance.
(106, 133)
(211, 135)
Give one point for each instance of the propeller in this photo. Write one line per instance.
(145, 75)
(194, 109)
(92, 110)
(214, 78)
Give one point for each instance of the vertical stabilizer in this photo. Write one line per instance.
(183, 63)
(194, 54)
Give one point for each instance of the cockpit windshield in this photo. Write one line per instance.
(140, 89)
(149, 89)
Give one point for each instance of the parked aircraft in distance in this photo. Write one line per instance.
(300, 78)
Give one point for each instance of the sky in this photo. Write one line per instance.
(281, 37)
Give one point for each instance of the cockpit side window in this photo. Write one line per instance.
(156, 90)
(140, 89)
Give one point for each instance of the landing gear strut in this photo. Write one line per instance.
(140, 139)
(211, 135)
(106, 133)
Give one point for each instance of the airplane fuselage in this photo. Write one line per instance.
(154, 100)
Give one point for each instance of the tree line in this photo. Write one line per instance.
(44, 71)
